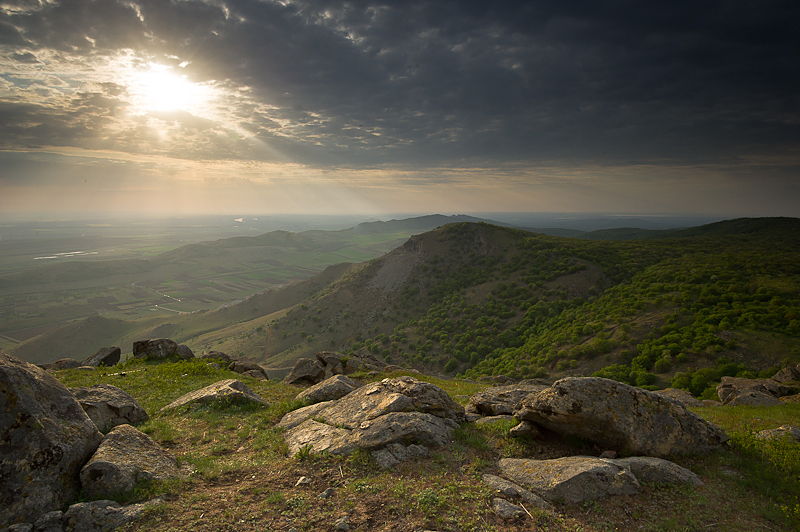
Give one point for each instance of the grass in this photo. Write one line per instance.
(245, 481)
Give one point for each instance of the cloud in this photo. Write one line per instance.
(426, 88)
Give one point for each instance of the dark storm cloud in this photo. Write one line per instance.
(362, 82)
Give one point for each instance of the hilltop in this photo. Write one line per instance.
(680, 307)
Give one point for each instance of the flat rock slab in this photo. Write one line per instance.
(332, 388)
(506, 510)
(618, 416)
(785, 431)
(581, 478)
(730, 388)
(228, 390)
(394, 453)
(752, 398)
(45, 438)
(125, 457)
(108, 406)
(508, 489)
(572, 479)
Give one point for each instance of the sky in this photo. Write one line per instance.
(333, 107)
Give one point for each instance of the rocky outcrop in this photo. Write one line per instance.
(216, 356)
(327, 364)
(393, 411)
(734, 391)
(246, 368)
(108, 406)
(580, 478)
(105, 356)
(335, 387)
(787, 374)
(160, 348)
(618, 416)
(125, 457)
(101, 516)
(306, 371)
(45, 439)
(513, 491)
(227, 390)
(499, 400)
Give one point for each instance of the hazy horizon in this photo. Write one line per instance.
(315, 107)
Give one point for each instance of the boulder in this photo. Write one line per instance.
(618, 416)
(217, 355)
(730, 387)
(254, 370)
(682, 396)
(306, 371)
(571, 479)
(506, 510)
(64, 363)
(525, 428)
(752, 398)
(785, 431)
(791, 398)
(50, 522)
(155, 348)
(125, 457)
(184, 352)
(513, 491)
(787, 374)
(402, 410)
(102, 516)
(335, 387)
(45, 438)
(499, 400)
(105, 356)
(657, 471)
(108, 406)
(227, 390)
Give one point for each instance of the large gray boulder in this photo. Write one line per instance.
(105, 356)
(125, 457)
(334, 387)
(45, 438)
(160, 348)
(752, 398)
(306, 371)
(571, 479)
(618, 416)
(108, 406)
(228, 390)
(254, 370)
(785, 431)
(102, 516)
(499, 400)
(403, 410)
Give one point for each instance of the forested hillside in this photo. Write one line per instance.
(684, 310)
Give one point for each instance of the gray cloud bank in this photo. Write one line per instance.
(416, 84)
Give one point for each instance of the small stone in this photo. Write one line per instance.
(506, 510)
(303, 481)
(608, 454)
(327, 494)
(342, 523)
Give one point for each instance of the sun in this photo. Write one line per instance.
(160, 88)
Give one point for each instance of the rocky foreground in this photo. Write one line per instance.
(52, 445)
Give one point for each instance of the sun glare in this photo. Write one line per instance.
(161, 89)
